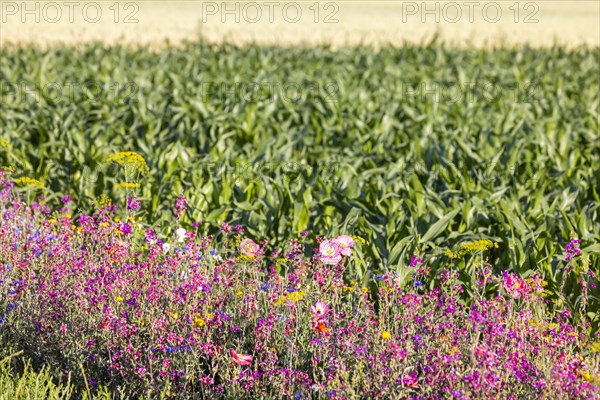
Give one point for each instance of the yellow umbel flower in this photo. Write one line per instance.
(469, 248)
(29, 182)
(118, 299)
(359, 239)
(103, 200)
(386, 335)
(130, 159)
(128, 185)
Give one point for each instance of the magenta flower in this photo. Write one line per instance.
(249, 248)
(330, 252)
(346, 243)
(572, 249)
(319, 309)
(241, 359)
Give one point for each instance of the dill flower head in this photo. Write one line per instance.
(103, 201)
(29, 182)
(130, 159)
(469, 248)
(128, 185)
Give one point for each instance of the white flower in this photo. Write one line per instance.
(166, 247)
(181, 234)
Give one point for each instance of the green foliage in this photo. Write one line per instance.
(368, 148)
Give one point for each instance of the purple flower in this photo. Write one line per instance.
(415, 260)
(124, 228)
(132, 204)
(572, 249)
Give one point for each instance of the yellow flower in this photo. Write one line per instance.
(104, 224)
(127, 185)
(175, 315)
(103, 200)
(479, 245)
(359, 239)
(130, 159)
(386, 335)
(365, 290)
(280, 301)
(30, 182)
(199, 323)
(586, 376)
(118, 299)
(239, 293)
(52, 221)
(295, 296)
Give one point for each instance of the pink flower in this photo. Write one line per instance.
(330, 252)
(346, 243)
(249, 248)
(241, 359)
(319, 309)
(516, 287)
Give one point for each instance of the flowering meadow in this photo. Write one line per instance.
(114, 305)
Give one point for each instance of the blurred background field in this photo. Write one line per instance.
(339, 23)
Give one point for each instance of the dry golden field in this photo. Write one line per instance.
(461, 23)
